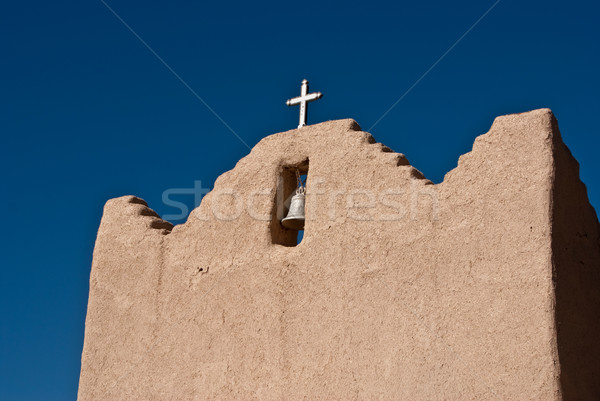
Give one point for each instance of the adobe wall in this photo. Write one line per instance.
(400, 289)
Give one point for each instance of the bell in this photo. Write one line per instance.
(295, 217)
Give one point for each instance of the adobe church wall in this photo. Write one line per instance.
(400, 289)
(576, 271)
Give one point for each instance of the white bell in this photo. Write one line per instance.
(295, 217)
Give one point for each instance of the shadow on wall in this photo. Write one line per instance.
(576, 275)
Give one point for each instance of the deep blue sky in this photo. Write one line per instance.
(87, 113)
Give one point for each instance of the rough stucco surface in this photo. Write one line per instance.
(485, 286)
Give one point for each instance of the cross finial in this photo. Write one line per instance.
(302, 100)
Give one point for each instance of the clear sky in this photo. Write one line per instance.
(88, 112)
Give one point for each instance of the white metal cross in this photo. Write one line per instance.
(302, 100)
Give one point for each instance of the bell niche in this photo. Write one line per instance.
(287, 223)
